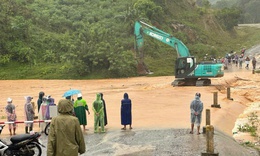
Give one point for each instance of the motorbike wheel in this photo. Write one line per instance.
(36, 148)
(29, 149)
(47, 129)
(5, 154)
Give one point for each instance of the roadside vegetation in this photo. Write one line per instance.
(90, 39)
(251, 127)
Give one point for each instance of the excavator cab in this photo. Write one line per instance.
(184, 66)
(189, 73)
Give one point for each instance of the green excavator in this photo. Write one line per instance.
(187, 71)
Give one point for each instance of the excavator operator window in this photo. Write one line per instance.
(182, 66)
(190, 61)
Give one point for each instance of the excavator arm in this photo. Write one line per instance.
(143, 28)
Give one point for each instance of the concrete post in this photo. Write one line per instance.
(210, 142)
(207, 116)
(207, 120)
(210, 138)
(215, 100)
(228, 94)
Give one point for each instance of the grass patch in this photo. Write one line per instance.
(161, 66)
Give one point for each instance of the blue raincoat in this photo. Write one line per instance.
(126, 110)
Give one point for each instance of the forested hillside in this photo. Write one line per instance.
(94, 38)
(250, 9)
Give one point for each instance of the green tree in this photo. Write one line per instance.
(203, 3)
(148, 9)
(229, 16)
(253, 9)
(221, 4)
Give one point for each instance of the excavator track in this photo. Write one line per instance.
(184, 82)
(203, 82)
(178, 83)
(191, 82)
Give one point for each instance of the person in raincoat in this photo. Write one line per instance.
(40, 100)
(29, 114)
(105, 110)
(80, 108)
(11, 115)
(196, 108)
(126, 112)
(98, 109)
(254, 63)
(240, 61)
(65, 136)
(247, 60)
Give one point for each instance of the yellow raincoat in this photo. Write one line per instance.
(65, 137)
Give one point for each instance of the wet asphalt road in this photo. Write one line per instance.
(162, 142)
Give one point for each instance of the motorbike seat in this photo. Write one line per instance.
(20, 137)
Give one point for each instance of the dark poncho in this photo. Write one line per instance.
(126, 110)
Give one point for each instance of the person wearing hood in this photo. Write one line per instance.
(98, 109)
(105, 110)
(126, 112)
(29, 114)
(196, 108)
(11, 115)
(65, 136)
(80, 108)
(40, 100)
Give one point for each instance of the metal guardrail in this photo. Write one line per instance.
(35, 121)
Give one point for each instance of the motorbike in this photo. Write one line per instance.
(47, 128)
(21, 145)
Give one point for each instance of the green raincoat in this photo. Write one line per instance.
(65, 137)
(98, 110)
(80, 107)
